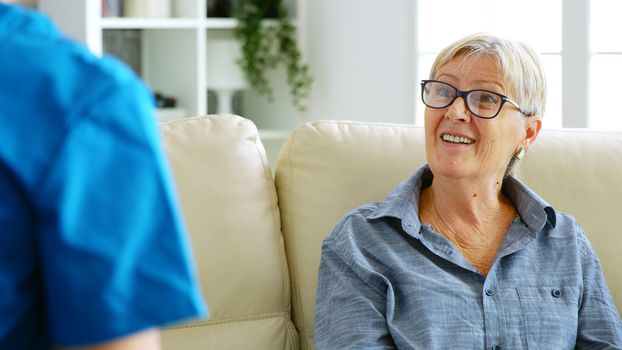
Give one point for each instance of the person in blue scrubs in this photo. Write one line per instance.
(92, 248)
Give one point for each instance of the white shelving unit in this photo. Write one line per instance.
(173, 50)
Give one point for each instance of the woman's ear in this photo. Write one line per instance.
(533, 125)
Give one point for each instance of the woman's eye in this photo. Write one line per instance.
(488, 99)
(444, 92)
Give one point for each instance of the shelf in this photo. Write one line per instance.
(171, 55)
(230, 23)
(172, 23)
(150, 23)
(167, 23)
(220, 23)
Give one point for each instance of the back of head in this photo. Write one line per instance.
(518, 64)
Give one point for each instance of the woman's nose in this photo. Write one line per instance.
(458, 111)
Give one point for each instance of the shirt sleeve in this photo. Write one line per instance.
(599, 323)
(114, 255)
(350, 311)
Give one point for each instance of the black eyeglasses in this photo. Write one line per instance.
(481, 103)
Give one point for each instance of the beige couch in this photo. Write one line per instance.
(257, 241)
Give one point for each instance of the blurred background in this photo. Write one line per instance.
(366, 57)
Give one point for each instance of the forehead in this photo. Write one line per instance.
(472, 69)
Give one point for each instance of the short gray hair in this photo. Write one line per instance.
(518, 64)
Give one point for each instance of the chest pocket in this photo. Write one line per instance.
(550, 316)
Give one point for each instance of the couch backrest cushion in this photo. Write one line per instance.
(229, 205)
(580, 172)
(328, 168)
(324, 170)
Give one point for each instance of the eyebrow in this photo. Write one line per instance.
(451, 76)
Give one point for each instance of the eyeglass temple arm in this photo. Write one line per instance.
(507, 99)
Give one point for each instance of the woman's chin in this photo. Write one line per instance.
(453, 169)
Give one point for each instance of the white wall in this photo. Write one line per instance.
(76, 19)
(361, 54)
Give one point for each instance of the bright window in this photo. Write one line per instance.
(605, 78)
(541, 24)
(605, 64)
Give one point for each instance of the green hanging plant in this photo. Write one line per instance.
(266, 45)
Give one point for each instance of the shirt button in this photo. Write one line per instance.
(496, 347)
(556, 293)
(489, 292)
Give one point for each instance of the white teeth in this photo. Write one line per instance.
(457, 139)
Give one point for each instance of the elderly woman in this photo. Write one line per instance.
(462, 255)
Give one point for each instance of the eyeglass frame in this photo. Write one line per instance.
(465, 93)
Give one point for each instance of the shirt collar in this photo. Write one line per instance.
(533, 210)
(403, 203)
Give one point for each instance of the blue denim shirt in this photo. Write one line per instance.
(386, 281)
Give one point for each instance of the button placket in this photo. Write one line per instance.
(493, 320)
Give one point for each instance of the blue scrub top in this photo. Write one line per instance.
(91, 243)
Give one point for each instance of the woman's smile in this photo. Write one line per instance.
(456, 139)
